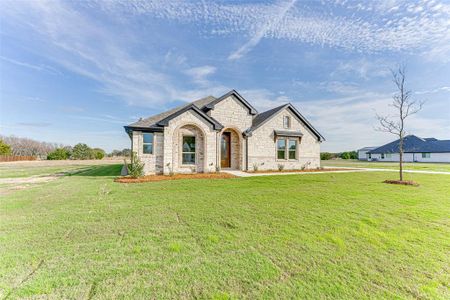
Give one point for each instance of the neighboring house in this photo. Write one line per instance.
(415, 149)
(226, 132)
(362, 153)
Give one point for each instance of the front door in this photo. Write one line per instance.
(225, 150)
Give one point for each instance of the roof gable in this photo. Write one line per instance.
(264, 117)
(165, 122)
(250, 108)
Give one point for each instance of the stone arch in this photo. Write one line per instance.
(189, 129)
(236, 148)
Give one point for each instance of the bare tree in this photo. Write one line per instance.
(404, 107)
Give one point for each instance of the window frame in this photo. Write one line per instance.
(277, 149)
(426, 155)
(286, 122)
(289, 149)
(185, 152)
(145, 144)
(382, 155)
(388, 155)
(286, 140)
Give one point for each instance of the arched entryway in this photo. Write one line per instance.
(189, 149)
(230, 149)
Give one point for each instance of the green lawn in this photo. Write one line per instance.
(441, 167)
(312, 236)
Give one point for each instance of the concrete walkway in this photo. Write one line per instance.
(392, 170)
(351, 170)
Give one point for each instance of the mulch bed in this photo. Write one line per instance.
(403, 182)
(302, 171)
(152, 178)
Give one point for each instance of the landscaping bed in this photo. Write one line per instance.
(402, 182)
(151, 178)
(301, 171)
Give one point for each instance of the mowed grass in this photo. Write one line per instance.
(440, 167)
(311, 236)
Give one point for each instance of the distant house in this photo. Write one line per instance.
(225, 132)
(362, 153)
(415, 149)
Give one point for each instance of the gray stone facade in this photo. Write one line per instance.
(235, 117)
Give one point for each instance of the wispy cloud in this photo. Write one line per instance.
(199, 74)
(260, 33)
(34, 124)
(78, 43)
(436, 90)
(44, 68)
(354, 26)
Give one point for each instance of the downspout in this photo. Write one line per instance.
(246, 153)
(217, 150)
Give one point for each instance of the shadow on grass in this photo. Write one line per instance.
(109, 170)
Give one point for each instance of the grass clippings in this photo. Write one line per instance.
(152, 178)
(302, 171)
(402, 182)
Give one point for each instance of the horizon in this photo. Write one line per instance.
(77, 72)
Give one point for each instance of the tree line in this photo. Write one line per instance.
(18, 146)
(342, 155)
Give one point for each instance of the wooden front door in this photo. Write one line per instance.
(225, 150)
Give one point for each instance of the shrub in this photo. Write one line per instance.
(217, 168)
(280, 167)
(135, 167)
(326, 156)
(255, 167)
(345, 155)
(98, 153)
(82, 151)
(5, 149)
(58, 154)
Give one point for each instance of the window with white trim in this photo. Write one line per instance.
(426, 155)
(388, 155)
(382, 155)
(147, 145)
(188, 150)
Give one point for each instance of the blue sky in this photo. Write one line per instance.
(78, 71)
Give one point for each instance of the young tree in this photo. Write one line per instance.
(98, 153)
(58, 154)
(82, 151)
(404, 107)
(5, 149)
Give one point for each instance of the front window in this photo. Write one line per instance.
(188, 151)
(370, 156)
(426, 155)
(147, 147)
(292, 149)
(382, 155)
(287, 148)
(281, 149)
(388, 155)
(287, 122)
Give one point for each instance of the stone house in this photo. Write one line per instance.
(226, 132)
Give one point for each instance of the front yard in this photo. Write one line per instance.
(296, 236)
(353, 163)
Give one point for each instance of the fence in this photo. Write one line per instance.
(16, 158)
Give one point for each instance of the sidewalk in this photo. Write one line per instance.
(353, 170)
